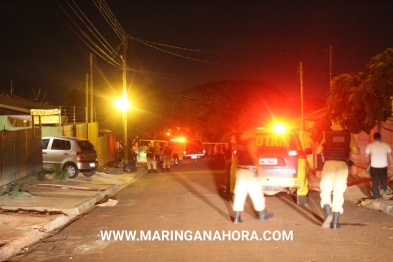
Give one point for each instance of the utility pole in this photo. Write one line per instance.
(91, 88)
(87, 98)
(125, 135)
(301, 95)
(330, 61)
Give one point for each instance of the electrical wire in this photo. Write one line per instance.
(107, 46)
(113, 22)
(224, 53)
(86, 39)
(111, 19)
(182, 56)
(94, 46)
(88, 42)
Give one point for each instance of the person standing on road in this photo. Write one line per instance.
(378, 153)
(150, 159)
(337, 144)
(247, 181)
(167, 159)
(157, 156)
(228, 152)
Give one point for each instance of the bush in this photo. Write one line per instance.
(59, 174)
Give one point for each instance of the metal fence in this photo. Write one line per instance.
(20, 154)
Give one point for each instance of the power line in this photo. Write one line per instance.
(111, 19)
(224, 53)
(85, 38)
(106, 44)
(182, 56)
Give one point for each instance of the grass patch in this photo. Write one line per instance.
(59, 174)
(14, 192)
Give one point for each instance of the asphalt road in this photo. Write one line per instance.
(189, 219)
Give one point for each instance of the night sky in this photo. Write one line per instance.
(195, 42)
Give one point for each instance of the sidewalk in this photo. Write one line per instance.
(49, 205)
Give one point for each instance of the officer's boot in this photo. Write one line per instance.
(163, 169)
(149, 171)
(155, 171)
(264, 215)
(237, 219)
(336, 217)
(328, 216)
(168, 170)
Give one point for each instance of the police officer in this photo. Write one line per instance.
(228, 152)
(157, 156)
(150, 159)
(247, 181)
(337, 143)
(167, 159)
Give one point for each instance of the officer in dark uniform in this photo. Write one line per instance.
(150, 159)
(167, 159)
(228, 152)
(337, 144)
(247, 181)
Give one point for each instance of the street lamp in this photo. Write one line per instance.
(123, 105)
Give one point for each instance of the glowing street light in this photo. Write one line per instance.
(122, 104)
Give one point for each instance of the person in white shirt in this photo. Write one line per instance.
(379, 152)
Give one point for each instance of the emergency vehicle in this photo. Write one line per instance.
(284, 162)
(186, 148)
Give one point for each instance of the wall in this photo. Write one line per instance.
(20, 154)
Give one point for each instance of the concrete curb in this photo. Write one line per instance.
(375, 204)
(40, 231)
(15, 246)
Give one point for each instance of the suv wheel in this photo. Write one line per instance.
(176, 160)
(72, 169)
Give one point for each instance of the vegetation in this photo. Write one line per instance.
(363, 99)
(59, 174)
(15, 191)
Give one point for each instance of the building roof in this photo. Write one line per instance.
(15, 105)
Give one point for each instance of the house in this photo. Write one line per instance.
(24, 123)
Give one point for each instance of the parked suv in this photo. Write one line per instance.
(284, 162)
(187, 149)
(71, 153)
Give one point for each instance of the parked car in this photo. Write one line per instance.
(187, 149)
(284, 162)
(71, 153)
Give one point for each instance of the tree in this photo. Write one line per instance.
(364, 100)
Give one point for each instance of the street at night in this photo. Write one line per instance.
(191, 199)
(284, 96)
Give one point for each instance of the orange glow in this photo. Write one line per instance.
(279, 128)
(179, 139)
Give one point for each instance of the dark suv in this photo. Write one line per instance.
(284, 162)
